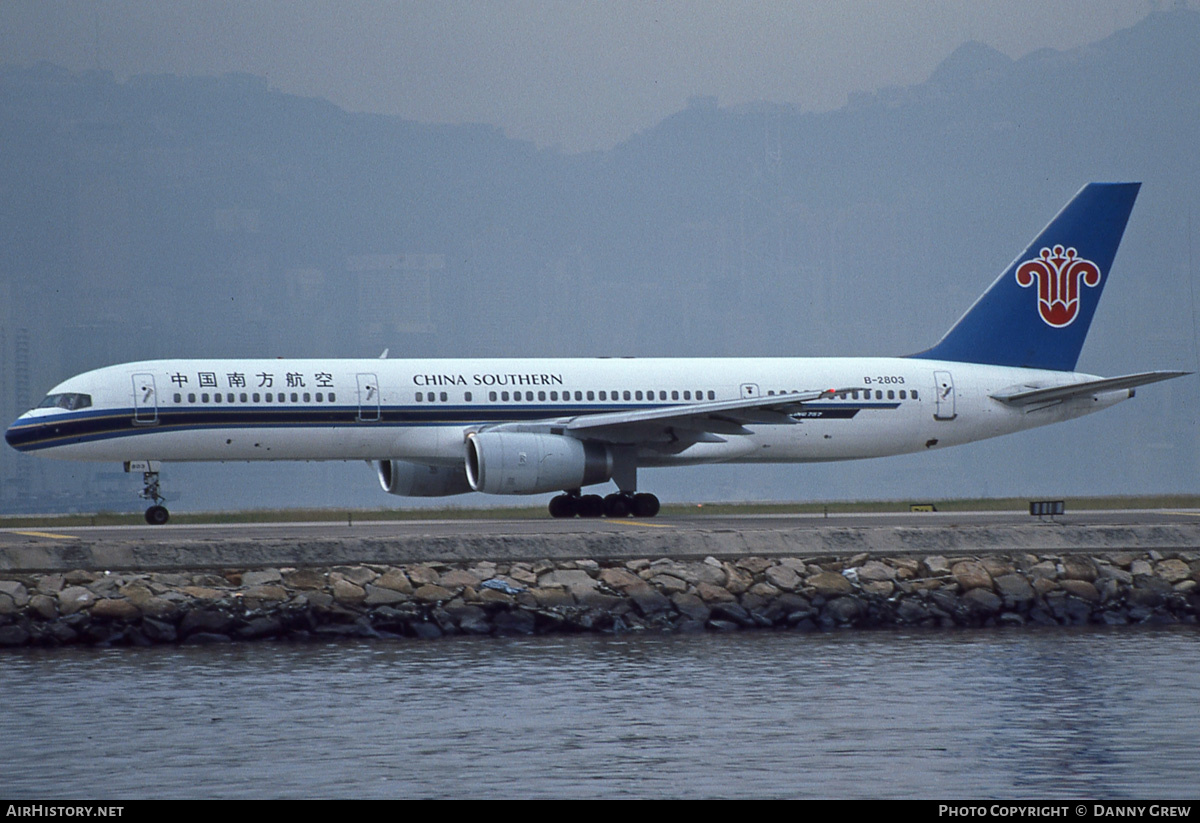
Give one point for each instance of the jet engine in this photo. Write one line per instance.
(416, 480)
(525, 463)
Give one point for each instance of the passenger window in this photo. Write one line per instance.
(467, 396)
(541, 395)
(638, 395)
(256, 397)
(492, 396)
(504, 396)
(191, 398)
(603, 395)
(553, 395)
(878, 394)
(217, 398)
(242, 397)
(712, 395)
(675, 395)
(687, 395)
(591, 395)
(891, 394)
(444, 397)
(903, 395)
(420, 396)
(295, 397)
(578, 395)
(914, 395)
(331, 397)
(178, 397)
(320, 397)
(627, 396)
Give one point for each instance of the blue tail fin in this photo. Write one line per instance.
(1036, 314)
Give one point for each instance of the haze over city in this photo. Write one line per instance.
(469, 179)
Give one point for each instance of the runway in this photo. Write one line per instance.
(546, 526)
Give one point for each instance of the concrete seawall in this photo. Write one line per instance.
(180, 590)
(179, 551)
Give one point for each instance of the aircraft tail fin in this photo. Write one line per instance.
(1037, 313)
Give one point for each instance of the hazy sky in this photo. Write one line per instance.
(580, 75)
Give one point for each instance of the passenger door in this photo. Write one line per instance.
(145, 400)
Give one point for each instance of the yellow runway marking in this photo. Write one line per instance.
(1183, 514)
(47, 534)
(642, 523)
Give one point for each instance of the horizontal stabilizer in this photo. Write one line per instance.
(1028, 395)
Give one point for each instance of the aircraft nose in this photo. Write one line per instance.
(16, 433)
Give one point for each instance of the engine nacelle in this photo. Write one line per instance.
(524, 463)
(414, 480)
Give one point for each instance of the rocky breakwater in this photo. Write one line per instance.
(485, 598)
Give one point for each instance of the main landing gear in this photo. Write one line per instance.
(618, 504)
(156, 515)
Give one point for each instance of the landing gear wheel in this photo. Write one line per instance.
(564, 505)
(617, 505)
(591, 505)
(157, 515)
(645, 505)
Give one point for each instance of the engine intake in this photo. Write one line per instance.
(524, 463)
(414, 480)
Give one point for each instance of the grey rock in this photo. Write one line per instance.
(115, 609)
(13, 635)
(691, 606)
(383, 596)
(979, 601)
(577, 581)
(305, 579)
(829, 584)
(205, 621)
(262, 577)
(648, 601)
(1014, 588)
(347, 591)
(16, 591)
(73, 598)
(783, 577)
(971, 574)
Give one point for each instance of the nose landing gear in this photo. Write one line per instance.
(156, 515)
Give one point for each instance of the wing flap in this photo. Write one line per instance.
(718, 416)
(702, 422)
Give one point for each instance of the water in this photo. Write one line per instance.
(960, 714)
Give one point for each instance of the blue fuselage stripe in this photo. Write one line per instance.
(86, 426)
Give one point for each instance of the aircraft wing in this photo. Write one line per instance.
(1028, 395)
(691, 423)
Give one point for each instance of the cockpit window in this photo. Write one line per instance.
(69, 401)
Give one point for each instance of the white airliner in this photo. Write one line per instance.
(530, 426)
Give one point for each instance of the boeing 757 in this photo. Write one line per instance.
(530, 426)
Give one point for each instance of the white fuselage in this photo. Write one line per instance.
(422, 410)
